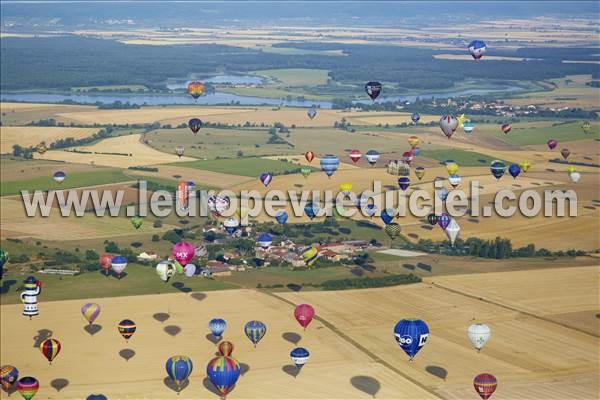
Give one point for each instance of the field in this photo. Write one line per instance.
(296, 77)
(31, 136)
(248, 166)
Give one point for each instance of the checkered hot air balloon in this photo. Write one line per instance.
(393, 230)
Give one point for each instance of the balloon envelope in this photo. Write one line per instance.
(477, 48)
(329, 164)
(506, 128)
(355, 155)
(448, 124)
(451, 168)
(485, 385)
(565, 153)
(264, 240)
(403, 182)
(415, 117)
(165, 270)
(304, 314)
(372, 156)
(8, 377)
(393, 230)
(514, 170)
(468, 127)
(217, 327)
(223, 372)
(432, 219)
(255, 331)
(195, 124)
(179, 369)
(309, 256)
(452, 231)
(411, 335)
(226, 348)
(444, 220)
(50, 349)
(27, 387)
(118, 264)
(552, 144)
(189, 270)
(420, 172)
(195, 89)
(183, 252)
(266, 178)
(373, 89)
(90, 312)
(311, 113)
(281, 217)
(497, 168)
(525, 165)
(479, 334)
(309, 155)
(575, 176)
(217, 205)
(387, 216)
(299, 356)
(59, 176)
(127, 328)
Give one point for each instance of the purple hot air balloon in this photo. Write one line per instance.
(266, 178)
(403, 182)
(183, 252)
(444, 221)
(552, 144)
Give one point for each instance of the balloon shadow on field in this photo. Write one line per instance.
(181, 287)
(161, 317)
(42, 335)
(127, 354)
(198, 296)
(92, 329)
(437, 371)
(59, 384)
(292, 337)
(294, 287)
(366, 384)
(210, 387)
(172, 330)
(171, 385)
(291, 370)
(212, 338)
(244, 368)
(6, 285)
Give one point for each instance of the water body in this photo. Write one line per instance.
(219, 98)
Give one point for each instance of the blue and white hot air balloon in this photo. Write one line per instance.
(387, 216)
(265, 240)
(266, 178)
(403, 182)
(282, 217)
(118, 264)
(442, 193)
(59, 176)
(329, 164)
(411, 335)
(372, 157)
(299, 356)
(311, 210)
(415, 117)
(497, 168)
(477, 48)
(217, 327)
(369, 210)
(231, 225)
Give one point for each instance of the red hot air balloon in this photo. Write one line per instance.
(105, 262)
(304, 314)
(407, 156)
(309, 155)
(226, 348)
(506, 128)
(355, 155)
(485, 385)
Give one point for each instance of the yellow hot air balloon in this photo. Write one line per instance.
(461, 120)
(420, 172)
(310, 256)
(413, 141)
(346, 188)
(571, 169)
(525, 165)
(451, 168)
(241, 212)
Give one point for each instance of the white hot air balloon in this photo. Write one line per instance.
(479, 334)
(165, 270)
(452, 231)
(189, 270)
(575, 176)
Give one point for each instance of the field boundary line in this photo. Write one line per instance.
(360, 347)
(511, 308)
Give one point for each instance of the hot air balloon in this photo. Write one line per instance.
(393, 230)
(304, 314)
(183, 252)
(41, 148)
(50, 349)
(311, 210)
(225, 348)
(309, 256)
(195, 124)
(189, 270)
(127, 328)
(217, 204)
(3, 258)
(411, 335)
(231, 225)
(448, 124)
(8, 377)
(415, 117)
(525, 165)
(468, 127)
(477, 49)
(305, 171)
(165, 270)
(497, 168)
(571, 169)
(105, 262)
(479, 334)
(299, 356)
(264, 240)
(118, 264)
(96, 397)
(443, 220)
(451, 168)
(179, 369)
(452, 231)
(346, 188)
(372, 157)
(420, 172)
(329, 164)
(485, 385)
(255, 330)
(413, 141)
(281, 217)
(266, 178)
(454, 180)
(309, 155)
(179, 150)
(178, 267)
(432, 219)
(514, 170)
(137, 222)
(59, 176)
(373, 89)
(355, 155)
(369, 210)
(312, 112)
(27, 387)
(403, 182)
(416, 151)
(242, 212)
(506, 128)
(575, 176)
(565, 153)
(90, 312)
(442, 193)
(195, 89)
(223, 372)
(217, 327)
(182, 195)
(552, 144)
(586, 127)
(407, 157)
(387, 215)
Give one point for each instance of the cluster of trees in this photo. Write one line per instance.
(71, 142)
(363, 283)
(23, 152)
(117, 105)
(143, 168)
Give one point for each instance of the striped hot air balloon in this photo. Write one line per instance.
(179, 369)
(195, 89)
(497, 168)
(309, 155)
(226, 348)
(355, 155)
(485, 385)
(223, 372)
(255, 330)
(27, 387)
(310, 255)
(329, 164)
(50, 349)
(59, 176)
(127, 328)
(90, 312)
(217, 327)
(299, 356)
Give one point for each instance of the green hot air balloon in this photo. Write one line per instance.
(137, 222)
(393, 230)
(305, 172)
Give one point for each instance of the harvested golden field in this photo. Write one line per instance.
(23, 113)
(31, 135)
(18, 170)
(137, 369)
(138, 153)
(531, 367)
(200, 177)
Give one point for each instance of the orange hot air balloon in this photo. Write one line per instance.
(309, 155)
(195, 89)
(104, 262)
(183, 193)
(413, 141)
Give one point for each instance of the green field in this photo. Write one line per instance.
(296, 76)
(461, 157)
(73, 180)
(272, 92)
(295, 51)
(531, 135)
(247, 166)
(110, 88)
(139, 280)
